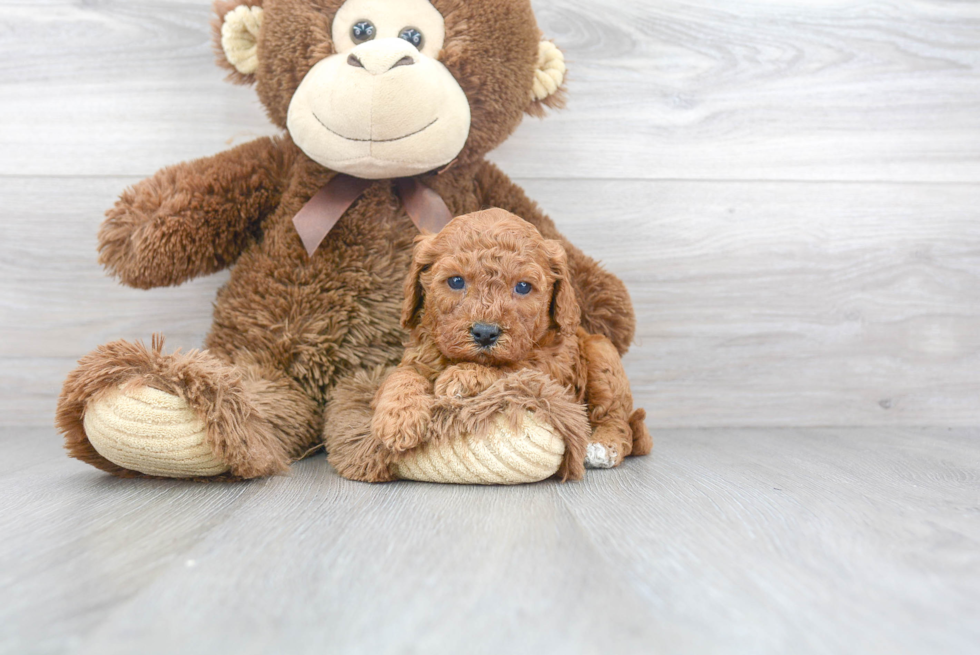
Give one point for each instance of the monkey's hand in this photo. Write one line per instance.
(194, 218)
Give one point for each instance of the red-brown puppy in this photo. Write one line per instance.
(488, 296)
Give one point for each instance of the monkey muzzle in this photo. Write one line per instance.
(381, 110)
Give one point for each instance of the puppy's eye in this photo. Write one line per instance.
(413, 36)
(362, 31)
(456, 282)
(523, 288)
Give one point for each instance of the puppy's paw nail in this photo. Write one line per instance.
(598, 456)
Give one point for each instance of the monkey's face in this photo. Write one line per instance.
(392, 88)
(383, 106)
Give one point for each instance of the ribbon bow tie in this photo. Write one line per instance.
(314, 221)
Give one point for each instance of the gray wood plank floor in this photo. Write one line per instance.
(791, 191)
(735, 541)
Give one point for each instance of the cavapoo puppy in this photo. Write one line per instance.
(487, 298)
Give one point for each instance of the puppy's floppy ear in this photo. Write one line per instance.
(423, 257)
(565, 313)
(235, 31)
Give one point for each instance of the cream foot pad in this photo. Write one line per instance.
(531, 454)
(150, 431)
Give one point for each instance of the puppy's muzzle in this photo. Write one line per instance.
(485, 335)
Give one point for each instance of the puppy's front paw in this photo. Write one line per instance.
(465, 381)
(403, 428)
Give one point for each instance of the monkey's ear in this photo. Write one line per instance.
(423, 257)
(565, 313)
(548, 89)
(235, 30)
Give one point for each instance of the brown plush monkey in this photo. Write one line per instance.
(388, 108)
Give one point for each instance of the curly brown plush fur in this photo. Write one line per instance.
(288, 327)
(486, 298)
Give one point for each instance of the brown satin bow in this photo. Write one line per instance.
(314, 221)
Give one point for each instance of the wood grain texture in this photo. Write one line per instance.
(754, 541)
(659, 89)
(766, 304)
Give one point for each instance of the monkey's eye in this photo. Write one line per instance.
(413, 36)
(456, 282)
(523, 288)
(362, 31)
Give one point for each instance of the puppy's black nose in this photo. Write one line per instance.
(484, 334)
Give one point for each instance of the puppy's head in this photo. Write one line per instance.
(489, 289)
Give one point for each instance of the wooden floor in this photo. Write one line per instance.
(726, 541)
(791, 191)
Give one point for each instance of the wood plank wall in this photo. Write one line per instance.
(788, 187)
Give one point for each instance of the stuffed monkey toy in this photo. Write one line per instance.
(388, 108)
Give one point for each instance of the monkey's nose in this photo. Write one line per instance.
(381, 55)
(485, 334)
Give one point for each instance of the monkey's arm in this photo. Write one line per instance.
(605, 303)
(194, 218)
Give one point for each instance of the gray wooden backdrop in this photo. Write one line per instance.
(789, 188)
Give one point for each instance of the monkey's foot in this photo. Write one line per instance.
(131, 410)
(504, 456)
(154, 432)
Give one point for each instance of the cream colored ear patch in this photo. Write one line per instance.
(240, 38)
(550, 72)
(531, 454)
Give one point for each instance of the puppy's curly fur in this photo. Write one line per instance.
(489, 300)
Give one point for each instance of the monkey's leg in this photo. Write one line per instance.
(617, 431)
(352, 447)
(524, 428)
(132, 410)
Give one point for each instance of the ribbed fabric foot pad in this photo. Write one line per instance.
(150, 431)
(503, 456)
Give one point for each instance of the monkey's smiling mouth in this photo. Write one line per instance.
(398, 138)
